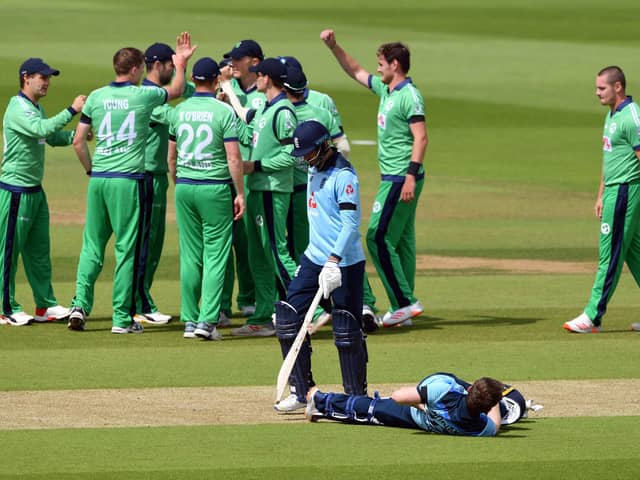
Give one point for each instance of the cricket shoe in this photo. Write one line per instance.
(369, 320)
(133, 327)
(17, 319)
(311, 413)
(581, 324)
(635, 327)
(207, 331)
(153, 318)
(264, 330)
(321, 321)
(247, 310)
(51, 314)
(391, 319)
(224, 320)
(76, 319)
(189, 330)
(289, 404)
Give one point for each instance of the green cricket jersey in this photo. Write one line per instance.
(620, 141)
(200, 126)
(322, 100)
(397, 110)
(271, 143)
(304, 113)
(120, 114)
(26, 129)
(252, 99)
(158, 137)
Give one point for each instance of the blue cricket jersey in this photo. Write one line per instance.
(333, 209)
(444, 395)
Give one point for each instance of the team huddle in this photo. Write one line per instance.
(265, 192)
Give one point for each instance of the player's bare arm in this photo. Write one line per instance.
(349, 64)
(494, 415)
(420, 142)
(234, 161)
(172, 157)
(598, 206)
(407, 396)
(184, 51)
(80, 145)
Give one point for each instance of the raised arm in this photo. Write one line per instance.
(349, 64)
(184, 51)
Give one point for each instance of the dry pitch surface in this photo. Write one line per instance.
(212, 405)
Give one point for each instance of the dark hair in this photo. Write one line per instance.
(614, 74)
(396, 51)
(278, 83)
(483, 395)
(127, 58)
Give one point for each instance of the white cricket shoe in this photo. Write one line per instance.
(189, 330)
(635, 327)
(207, 331)
(18, 319)
(133, 327)
(581, 324)
(153, 318)
(289, 404)
(391, 319)
(51, 314)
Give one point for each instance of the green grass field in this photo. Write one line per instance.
(513, 168)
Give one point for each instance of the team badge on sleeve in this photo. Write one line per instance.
(349, 189)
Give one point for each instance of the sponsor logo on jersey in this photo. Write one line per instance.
(605, 229)
(376, 207)
(312, 201)
(254, 138)
(382, 120)
(259, 220)
(612, 128)
(606, 144)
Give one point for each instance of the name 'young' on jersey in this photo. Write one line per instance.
(333, 210)
(119, 115)
(396, 111)
(620, 141)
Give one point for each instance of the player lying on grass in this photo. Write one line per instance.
(440, 403)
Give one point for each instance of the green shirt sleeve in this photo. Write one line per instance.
(30, 123)
(284, 124)
(60, 138)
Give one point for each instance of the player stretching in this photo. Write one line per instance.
(618, 202)
(402, 142)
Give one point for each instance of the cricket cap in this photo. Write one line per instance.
(158, 52)
(296, 80)
(245, 48)
(37, 65)
(205, 69)
(291, 62)
(271, 67)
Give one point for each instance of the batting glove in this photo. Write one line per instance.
(330, 278)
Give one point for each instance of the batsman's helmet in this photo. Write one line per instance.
(513, 406)
(308, 137)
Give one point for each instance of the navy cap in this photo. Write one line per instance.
(296, 80)
(158, 51)
(225, 62)
(205, 69)
(271, 67)
(308, 136)
(37, 65)
(290, 62)
(245, 48)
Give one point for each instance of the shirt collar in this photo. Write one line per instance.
(202, 94)
(20, 94)
(626, 102)
(121, 84)
(403, 83)
(276, 99)
(148, 83)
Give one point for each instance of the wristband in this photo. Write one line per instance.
(257, 166)
(88, 173)
(414, 168)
